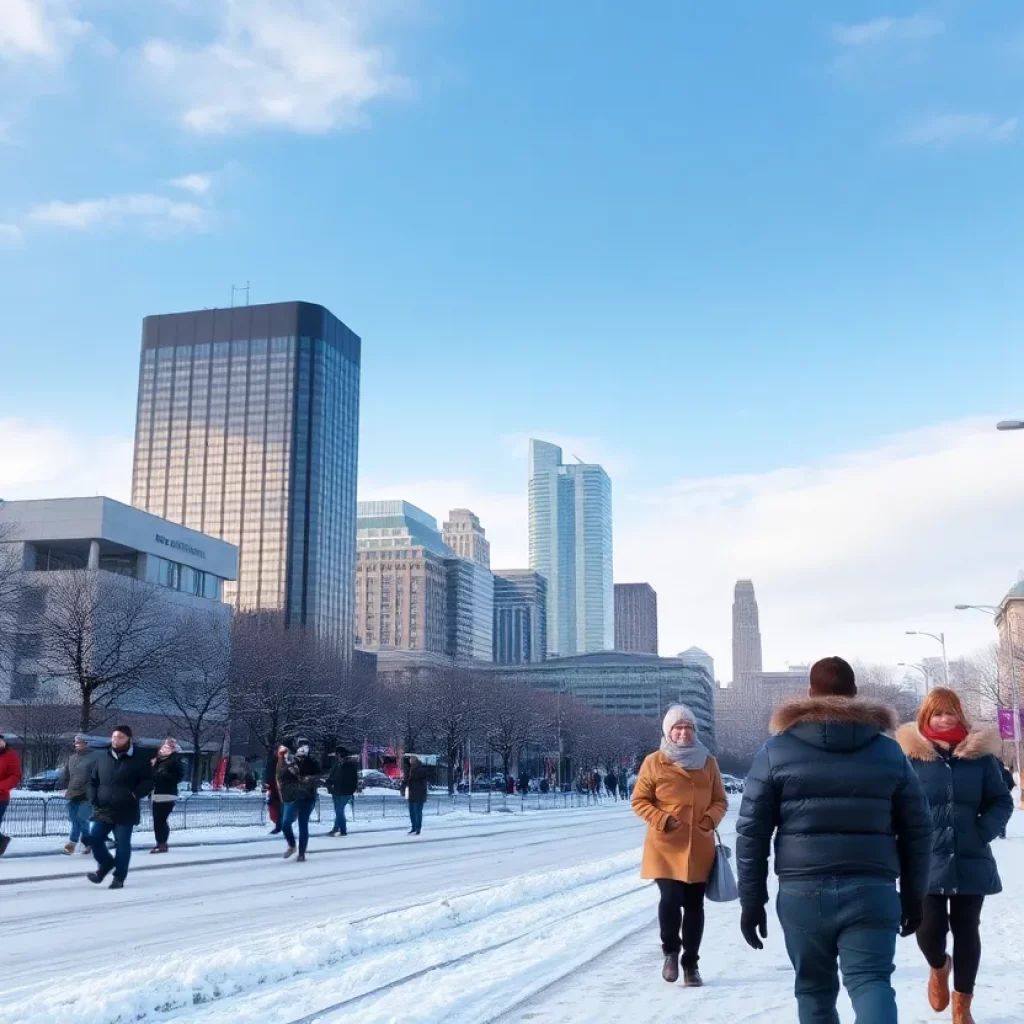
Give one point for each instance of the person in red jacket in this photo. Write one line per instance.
(10, 776)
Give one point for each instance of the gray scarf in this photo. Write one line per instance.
(692, 758)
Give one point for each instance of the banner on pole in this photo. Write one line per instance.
(1006, 723)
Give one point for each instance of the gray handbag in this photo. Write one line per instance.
(722, 886)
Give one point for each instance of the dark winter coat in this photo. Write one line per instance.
(970, 806)
(74, 776)
(167, 773)
(839, 796)
(117, 783)
(10, 773)
(343, 778)
(1008, 778)
(414, 782)
(298, 778)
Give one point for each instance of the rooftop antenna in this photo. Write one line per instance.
(239, 288)
(579, 460)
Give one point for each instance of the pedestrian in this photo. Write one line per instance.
(679, 793)
(168, 771)
(118, 780)
(1011, 784)
(342, 783)
(298, 778)
(414, 789)
(524, 781)
(970, 804)
(273, 792)
(74, 779)
(849, 819)
(10, 776)
(510, 786)
(544, 785)
(612, 785)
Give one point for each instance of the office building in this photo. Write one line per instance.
(520, 616)
(247, 430)
(571, 546)
(695, 656)
(466, 537)
(746, 632)
(795, 679)
(636, 618)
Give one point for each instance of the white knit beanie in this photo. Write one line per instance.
(677, 713)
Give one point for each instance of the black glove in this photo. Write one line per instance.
(752, 921)
(911, 917)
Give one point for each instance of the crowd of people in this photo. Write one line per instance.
(854, 805)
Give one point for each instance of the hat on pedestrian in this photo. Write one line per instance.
(80, 737)
(677, 713)
(126, 729)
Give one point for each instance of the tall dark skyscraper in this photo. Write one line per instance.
(636, 618)
(746, 632)
(248, 430)
(520, 616)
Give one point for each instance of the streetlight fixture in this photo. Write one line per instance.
(941, 638)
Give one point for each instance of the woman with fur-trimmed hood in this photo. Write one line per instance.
(970, 806)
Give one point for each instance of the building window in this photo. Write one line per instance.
(24, 686)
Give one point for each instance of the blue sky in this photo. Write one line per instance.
(704, 244)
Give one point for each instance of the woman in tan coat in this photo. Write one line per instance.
(679, 793)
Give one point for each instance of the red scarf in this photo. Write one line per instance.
(951, 737)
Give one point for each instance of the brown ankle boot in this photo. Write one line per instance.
(938, 987)
(962, 1009)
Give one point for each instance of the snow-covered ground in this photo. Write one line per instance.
(483, 918)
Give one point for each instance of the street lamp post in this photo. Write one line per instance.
(941, 637)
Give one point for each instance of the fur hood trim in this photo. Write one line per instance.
(833, 710)
(979, 743)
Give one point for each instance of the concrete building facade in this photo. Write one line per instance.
(746, 632)
(636, 618)
(466, 537)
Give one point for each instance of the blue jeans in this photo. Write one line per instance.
(854, 920)
(3, 811)
(122, 847)
(416, 815)
(340, 803)
(79, 812)
(297, 810)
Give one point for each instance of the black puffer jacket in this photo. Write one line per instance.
(414, 783)
(970, 805)
(839, 796)
(298, 778)
(116, 785)
(167, 773)
(343, 778)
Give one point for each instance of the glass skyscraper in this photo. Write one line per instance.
(571, 546)
(248, 430)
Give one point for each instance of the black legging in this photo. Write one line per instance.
(960, 915)
(161, 812)
(681, 911)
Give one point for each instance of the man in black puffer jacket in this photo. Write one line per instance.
(849, 819)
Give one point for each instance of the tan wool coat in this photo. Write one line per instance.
(697, 800)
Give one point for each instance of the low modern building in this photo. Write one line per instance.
(636, 618)
(520, 616)
(624, 684)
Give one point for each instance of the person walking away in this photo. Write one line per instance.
(342, 783)
(612, 785)
(849, 819)
(120, 777)
(273, 793)
(168, 771)
(74, 780)
(1011, 784)
(524, 782)
(414, 789)
(970, 805)
(544, 784)
(298, 777)
(10, 776)
(679, 793)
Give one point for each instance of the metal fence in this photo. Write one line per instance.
(29, 816)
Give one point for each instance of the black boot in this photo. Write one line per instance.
(116, 883)
(670, 970)
(98, 875)
(692, 978)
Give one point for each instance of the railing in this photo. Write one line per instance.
(30, 816)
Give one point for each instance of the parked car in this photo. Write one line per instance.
(732, 784)
(43, 782)
(371, 778)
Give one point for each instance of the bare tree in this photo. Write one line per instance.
(976, 678)
(453, 698)
(407, 712)
(11, 583)
(45, 729)
(511, 717)
(106, 635)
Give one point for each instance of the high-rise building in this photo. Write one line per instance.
(695, 656)
(636, 618)
(248, 430)
(413, 593)
(571, 546)
(466, 537)
(520, 616)
(746, 632)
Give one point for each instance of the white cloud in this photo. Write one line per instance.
(880, 31)
(10, 234)
(197, 184)
(942, 130)
(39, 29)
(46, 460)
(156, 214)
(300, 65)
(846, 554)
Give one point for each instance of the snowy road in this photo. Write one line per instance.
(499, 919)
